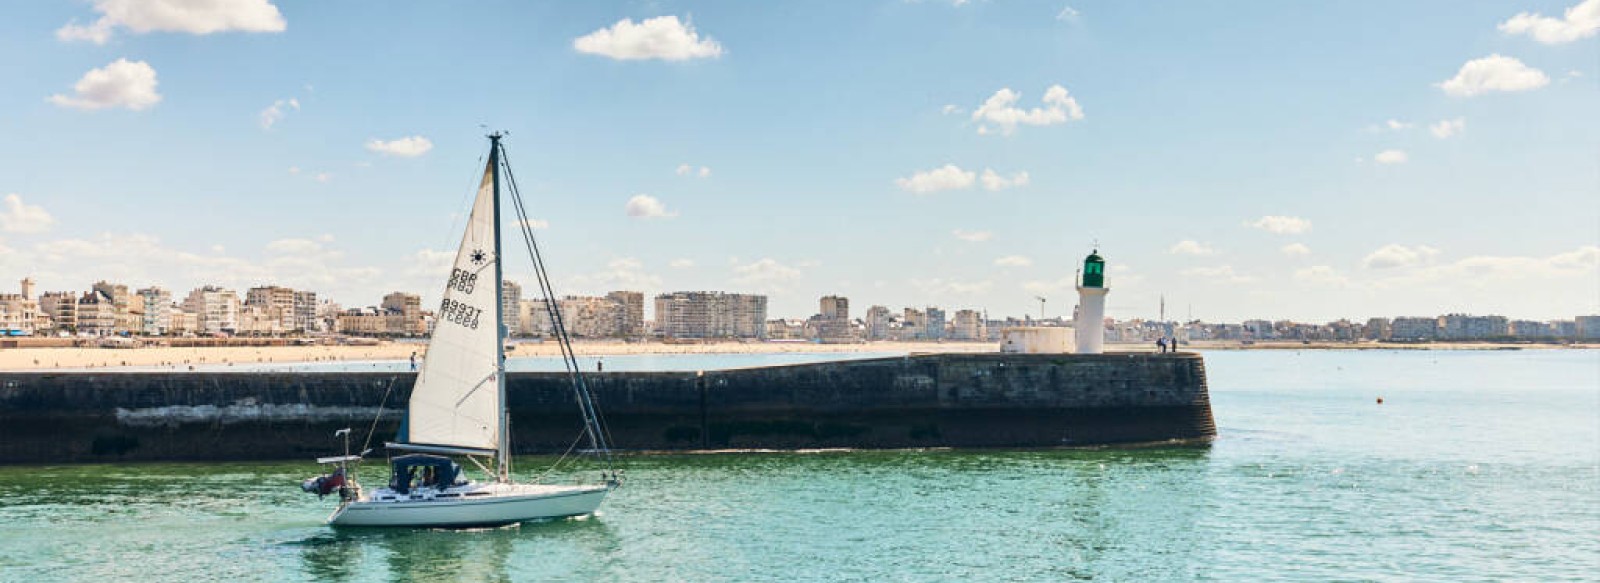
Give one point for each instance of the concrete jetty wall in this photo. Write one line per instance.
(941, 400)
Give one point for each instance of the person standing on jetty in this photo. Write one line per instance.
(413, 361)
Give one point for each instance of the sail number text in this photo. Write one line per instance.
(459, 313)
(463, 281)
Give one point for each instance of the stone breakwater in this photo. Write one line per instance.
(937, 400)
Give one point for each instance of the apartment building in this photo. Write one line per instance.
(511, 305)
(157, 307)
(403, 314)
(711, 315)
(877, 323)
(1408, 328)
(127, 315)
(216, 309)
(935, 324)
(631, 316)
(97, 314)
(1465, 327)
(968, 325)
(61, 308)
(19, 313)
(833, 320)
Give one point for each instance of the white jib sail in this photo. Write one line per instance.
(456, 400)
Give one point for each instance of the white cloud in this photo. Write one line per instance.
(324, 176)
(947, 177)
(1446, 128)
(1392, 125)
(429, 263)
(275, 113)
(1067, 13)
(1390, 157)
(765, 275)
(1581, 21)
(135, 257)
(1395, 255)
(1013, 261)
(662, 37)
(687, 170)
(973, 236)
(538, 224)
(1579, 261)
(293, 246)
(1001, 110)
(992, 181)
(1481, 279)
(407, 147)
(1189, 247)
(619, 273)
(1493, 73)
(123, 83)
(1321, 275)
(1295, 249)
(681, 263)
(938, 288)
(950, 109)
(190, 16)
(294, 169)
(1281, 225)
(644, 206)
(1048, 288)
(19, 217)
(1218, 274)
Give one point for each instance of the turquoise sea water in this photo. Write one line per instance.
(1478, 466)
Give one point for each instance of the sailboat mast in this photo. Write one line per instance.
(504, 454)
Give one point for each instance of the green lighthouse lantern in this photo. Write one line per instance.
(1094, 270)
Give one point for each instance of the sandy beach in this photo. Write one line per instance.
(21, 359)
(17, 359)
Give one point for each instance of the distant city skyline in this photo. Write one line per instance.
(967, 155)
(300, 305)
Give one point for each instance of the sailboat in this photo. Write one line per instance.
(458, 403)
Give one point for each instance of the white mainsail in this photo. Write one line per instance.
(456, 400)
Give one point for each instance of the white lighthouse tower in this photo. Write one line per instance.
(1090, 323)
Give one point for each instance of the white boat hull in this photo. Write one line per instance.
(477, 505)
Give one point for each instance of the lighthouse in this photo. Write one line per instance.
(1090, 323)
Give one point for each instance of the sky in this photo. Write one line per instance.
(1308, 161)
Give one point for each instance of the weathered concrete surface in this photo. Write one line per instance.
(950, 400)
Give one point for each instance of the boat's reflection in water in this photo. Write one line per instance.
(433, 555)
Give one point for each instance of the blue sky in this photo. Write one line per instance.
(1262, 159)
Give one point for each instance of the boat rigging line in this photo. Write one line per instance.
(366, 446)
(594, 426)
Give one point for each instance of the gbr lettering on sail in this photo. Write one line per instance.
(456, 312)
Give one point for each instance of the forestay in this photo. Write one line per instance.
(456, 400)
